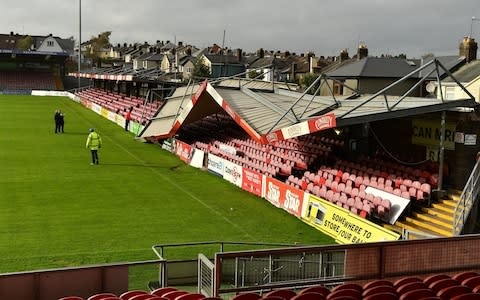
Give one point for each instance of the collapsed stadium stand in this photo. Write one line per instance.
(459, 286)
(315, 164)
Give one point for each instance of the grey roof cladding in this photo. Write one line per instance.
(394, 67)
(225, 59)
(377, 67)
(466, 73)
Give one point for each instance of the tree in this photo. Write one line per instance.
(96, 45)
(307, 81)
(25, 43)
(256, 74)
(200, 70)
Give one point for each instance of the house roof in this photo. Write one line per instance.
(184, 59)
(467, 72)
(279, 63)
(394, 67)
(225, 59)
(377, 67)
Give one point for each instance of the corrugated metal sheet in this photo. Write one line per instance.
(267, 111)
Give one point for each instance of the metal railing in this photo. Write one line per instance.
(411, 234)
(206, 276)
(189, 251)
(467, 200)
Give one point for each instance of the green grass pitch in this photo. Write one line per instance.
(56, 210)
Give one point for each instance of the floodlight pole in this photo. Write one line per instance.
(79, 39)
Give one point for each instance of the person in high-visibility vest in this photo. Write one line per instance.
(94, 142)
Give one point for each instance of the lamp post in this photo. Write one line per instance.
(79, 39)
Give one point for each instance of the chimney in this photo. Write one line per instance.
(180, 44)
(362, 51)
(260, 53)
(343, 55)
(239, 54)
(468, 49)
(188, 51)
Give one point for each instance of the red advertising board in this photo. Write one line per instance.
(184, 151)
(252, 182)
(284, 196)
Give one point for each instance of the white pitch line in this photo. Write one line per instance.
(174, 184)
(182, 189)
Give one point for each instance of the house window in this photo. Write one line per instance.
(450, 93)
(189, 70)
(50, 43)
(337, 88)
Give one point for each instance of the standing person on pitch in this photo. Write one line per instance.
(94, 142)
(128, 117)
(61, 121)
(56, 117)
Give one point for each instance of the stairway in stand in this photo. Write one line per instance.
(434, 221)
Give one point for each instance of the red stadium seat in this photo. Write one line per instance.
(341, 294)
(101, 296)
(441, 284)
(433, 278)
(316, 289)
(130, 294)
(247, 296)
(378, 289)
(402, 289)
(464, 275)
(417, 294)
(162, 291)
(382, 296)
(467, 296)
(309, 296)
(174, 294)
(146, 297)
(471, 282)
(285, 294)
(452, 291)
(352, 286)
(375, 283)
(190, 296)
(406, 280)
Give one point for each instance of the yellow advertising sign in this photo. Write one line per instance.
(427, 133)
(344, 226)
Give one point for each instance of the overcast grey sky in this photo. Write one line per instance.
(413, 27)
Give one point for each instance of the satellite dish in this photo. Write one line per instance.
(430, 87)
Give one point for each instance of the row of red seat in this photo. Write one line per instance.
(120, 104)
(461, 286)
(167, 293)
(27, 80)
